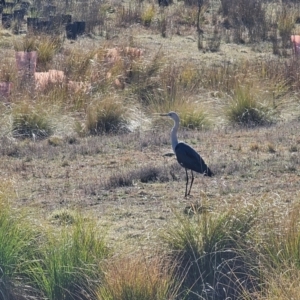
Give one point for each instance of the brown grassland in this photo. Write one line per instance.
(90, 148)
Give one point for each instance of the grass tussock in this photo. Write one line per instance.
(30, 122)
(148, 15)
(77, 64)
(139, 277)
(17, 238)
(194, 118)
(66, 265)
(56, 264)
(214, 258)
(8, 72)
(105, 116)
(47, 47)
(245, 110)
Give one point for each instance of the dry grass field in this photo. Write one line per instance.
(91, 146)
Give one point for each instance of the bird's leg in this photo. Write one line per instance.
(187, 182)
(191, 182)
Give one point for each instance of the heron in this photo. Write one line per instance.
(187, 156)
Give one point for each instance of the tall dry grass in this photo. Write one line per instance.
(139, 277)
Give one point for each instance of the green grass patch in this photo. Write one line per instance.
(67, 263)
(17, 240)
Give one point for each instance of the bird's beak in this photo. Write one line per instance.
(164, 115)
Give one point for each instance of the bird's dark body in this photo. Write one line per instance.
(187, 157)
(191, 160)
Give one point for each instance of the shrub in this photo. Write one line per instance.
(214, 260)
(105, 116)
(151, 174)
(30, 122)
(247, 111)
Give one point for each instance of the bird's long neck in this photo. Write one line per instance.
(174, 139)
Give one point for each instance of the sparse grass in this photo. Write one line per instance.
(146, 174)
(63, 217)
